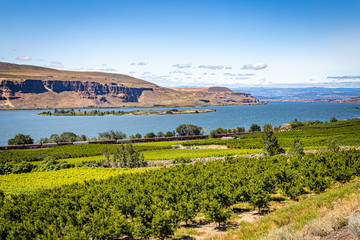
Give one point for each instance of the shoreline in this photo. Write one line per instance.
(135, 106)
(127, 113)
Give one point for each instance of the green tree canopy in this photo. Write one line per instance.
(150, 135)
(111, 135)
(270, 142)
(169, 134)
(68, 137)
(20, 139)
(55, 138)
(188, 129)
(254, 128)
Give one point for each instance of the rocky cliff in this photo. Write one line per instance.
(24, 86)
(90, 90)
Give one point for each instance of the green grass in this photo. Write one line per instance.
(29, 182)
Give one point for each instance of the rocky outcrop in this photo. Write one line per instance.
(9, 88)
(91, 90)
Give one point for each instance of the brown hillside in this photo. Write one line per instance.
(17, 72)
(26, 86)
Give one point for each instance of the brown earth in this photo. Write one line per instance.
(26, 86)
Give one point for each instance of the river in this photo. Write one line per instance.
(28, 122)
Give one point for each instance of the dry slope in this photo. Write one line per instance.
(26, 86)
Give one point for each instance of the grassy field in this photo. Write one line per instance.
(29, 182)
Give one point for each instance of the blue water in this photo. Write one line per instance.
(275, 113)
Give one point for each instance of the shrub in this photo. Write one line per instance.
(332, 145)
(125, 156)
(51, 164)
(181, 160)
(333, 119)
(354, 226)
(296, 123)
(297, 148)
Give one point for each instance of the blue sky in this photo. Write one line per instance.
(190, 43)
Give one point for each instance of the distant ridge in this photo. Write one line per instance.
(27, 86)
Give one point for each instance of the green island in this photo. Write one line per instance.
(72, 112)
(298, 182)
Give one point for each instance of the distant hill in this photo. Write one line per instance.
(311, 94)
(26, 86)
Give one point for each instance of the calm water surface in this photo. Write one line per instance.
(276, 113)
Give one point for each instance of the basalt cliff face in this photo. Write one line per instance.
(89, 90)
(24, 86)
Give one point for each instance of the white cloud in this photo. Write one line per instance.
(239, 75)
(146, 73)
(343, 77)
(24, 58)
(187, 65)
(228, 68)
(132, 72)
(139, 64)
(180, 72)
(2, 58)
(212, 67)
(55, 64)
(108, 70)
(255, 66)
